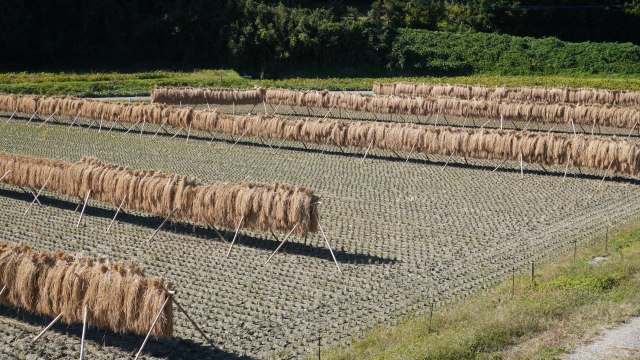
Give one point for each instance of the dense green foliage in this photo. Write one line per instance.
(569, 20)
(270, 39)
(444, 52)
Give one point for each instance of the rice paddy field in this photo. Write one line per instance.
(405, 234)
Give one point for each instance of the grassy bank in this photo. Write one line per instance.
(140, 84)
(568, 301)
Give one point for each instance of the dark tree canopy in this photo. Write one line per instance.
(275, 35)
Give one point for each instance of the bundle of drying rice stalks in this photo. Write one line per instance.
(614, 154)
(188, 95)
(260, 206)
(118, 296)
(587, 114)
(533, 94)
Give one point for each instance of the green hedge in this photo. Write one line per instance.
(438, 52)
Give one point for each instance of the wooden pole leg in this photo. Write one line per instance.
(410, 152)
(235, 236)
(131, 128)
(84, 330)
(219, 234)
(366, 152)
(193, 322)
(114, 216)
(282, 243)
(47, 328)
(449, 159)
(153, 326)
(36, 198)
(86, 199)
(327, 242)
(160, 128)
(161, 225)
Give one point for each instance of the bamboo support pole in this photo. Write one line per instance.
(213, 136)
(132, 127)
(74, 121)
(11, 117)
(100, 128)
(328, 112)
(367, 152)
(282, 243)
(193, 322)
(84, 331)
(521, 167)
(29, 191)
(114, 124)
(86, 199)
(91, 124)
(326, 143)
(36, 197)
(235, 236)
(327, 242)
(634, 126)
(32, 116)
(144, 121)
(161, 225)
(408, 156)
(177, 132)
(50, 116)
(497, 167)
(153, 326)
(605, 174)
(114, 216)
(188, 133)
(161, 127)
(47, 328)
(5, 174)
(566, 168)
(447, 163)
(219, 234)
(234, 144)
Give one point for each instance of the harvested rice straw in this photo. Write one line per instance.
(542, 148)
(594, 114)
(264, 207)
(53, 283)
(509, 109)
(531, 94)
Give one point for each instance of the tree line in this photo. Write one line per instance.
(274, 37)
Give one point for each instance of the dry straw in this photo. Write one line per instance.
(241, 200)
(543, 148)
(582, 113)
(188, 95)
(591, 115)
(532, 94)
(262, 207)
(118, 296)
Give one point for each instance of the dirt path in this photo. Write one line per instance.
(622, 342)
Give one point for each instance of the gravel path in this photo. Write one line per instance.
(622, 342)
